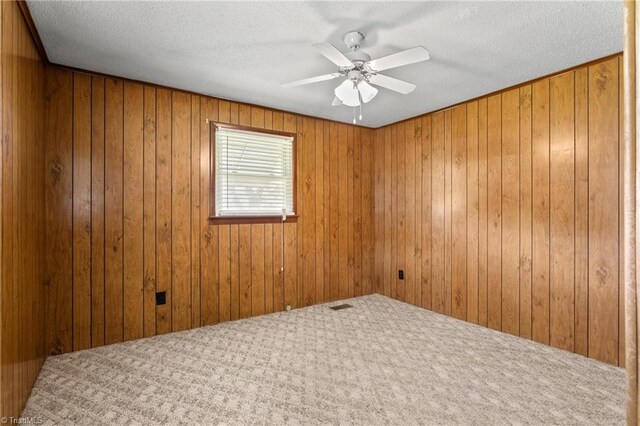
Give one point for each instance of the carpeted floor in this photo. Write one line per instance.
(380, 362)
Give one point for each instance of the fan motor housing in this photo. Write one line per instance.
(358, 57)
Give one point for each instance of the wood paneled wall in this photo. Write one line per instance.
(505, 211)
(22, 211)
(127, 202)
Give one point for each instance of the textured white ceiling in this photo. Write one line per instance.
(243, 50)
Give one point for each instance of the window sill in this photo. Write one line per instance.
(243, 220)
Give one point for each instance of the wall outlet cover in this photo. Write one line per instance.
(161, 298)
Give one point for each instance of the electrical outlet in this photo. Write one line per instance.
(400, 274)
(161, 298)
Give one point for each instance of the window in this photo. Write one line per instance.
(253, 174)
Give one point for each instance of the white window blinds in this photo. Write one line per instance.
(253, 173)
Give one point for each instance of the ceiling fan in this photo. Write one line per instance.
(361, 72)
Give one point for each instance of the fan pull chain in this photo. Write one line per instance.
(354, 115)
(360, 111)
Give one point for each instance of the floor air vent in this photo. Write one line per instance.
(341, 307)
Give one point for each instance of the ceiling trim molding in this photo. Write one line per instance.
(26, 14)
(506, 89)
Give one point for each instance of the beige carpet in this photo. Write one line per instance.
(380, 362)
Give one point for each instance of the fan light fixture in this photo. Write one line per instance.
(367, 91)
(360, 70)
(352, 92)
(348, 93)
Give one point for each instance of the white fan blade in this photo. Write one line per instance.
(336, 101)
(333, 54)
(392, 83)
(367, 91)
(406, 57)
(311, 80)
(348, 94)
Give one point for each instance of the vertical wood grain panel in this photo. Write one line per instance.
(472, 212)
(181, 211)
(303, 193)
(510, 212)
(427, 215)
(278, 268)
(459, 212)
(343, 214)
(540, 235)
(26, 168)
(393, 175)
(333, 213)
(350, 213)
(195, 264)
(149, 211)
(356, 194)
(59, 192)
(603, 217)
(401, 190)
(133, 175)
(81, 212)
(378, 195)
(257, 269)
(417, 136)
(97, 212)
(163, 208)
(494, 202)
(581, 212)
(301, 205)
(409, 211)
(622, 353)
(9, 375)
(114, 196)
(525, 211)
(268, 267)
(388, 212)
(211, 260)
(379, 212)
(367, 240)
(483, 214)
(319, 209)
(438, 213)
(448, 195)
(562, 186)
(326, 208)
(234, 273)
(307, 214)
(224, 277)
